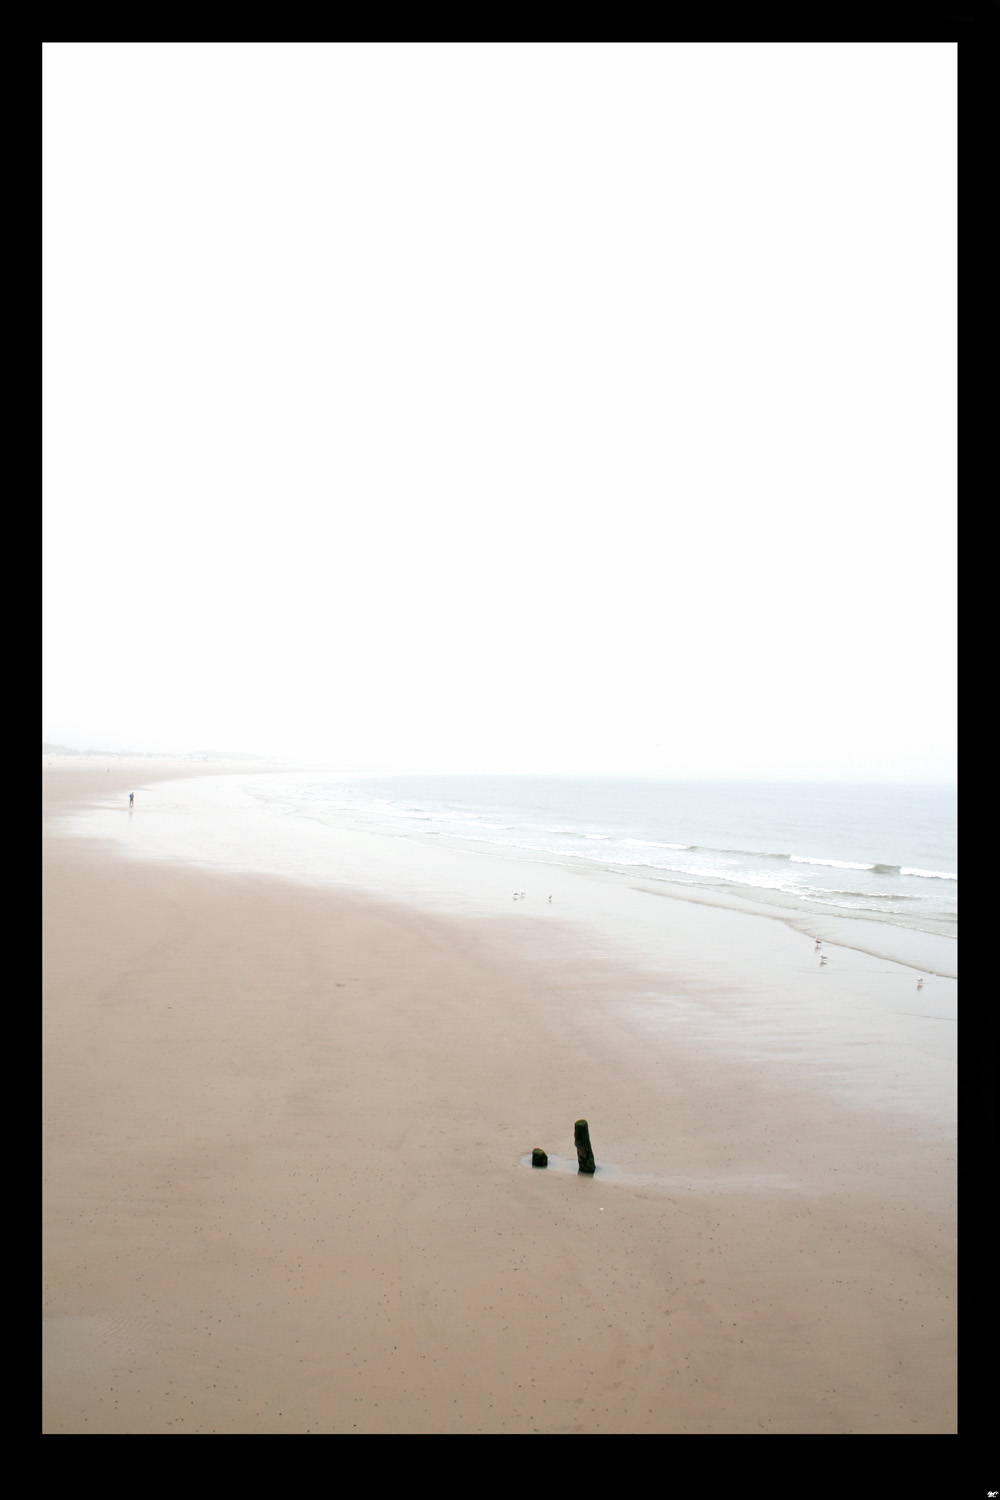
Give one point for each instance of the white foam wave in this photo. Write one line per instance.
(833, 864)
(652, 844)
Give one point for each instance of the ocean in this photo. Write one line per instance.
(872, 866)
(886, 852)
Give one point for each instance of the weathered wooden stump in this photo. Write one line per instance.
(584, 1153)
(538, 1158)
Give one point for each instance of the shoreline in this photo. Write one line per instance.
(284, 1181)
(295, 848)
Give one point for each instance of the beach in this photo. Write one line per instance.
(286, 1143)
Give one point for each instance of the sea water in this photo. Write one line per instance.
(881, 852)
(871, 866)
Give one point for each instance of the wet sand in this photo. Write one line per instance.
(285, 1189)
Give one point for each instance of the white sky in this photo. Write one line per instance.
(511, 407)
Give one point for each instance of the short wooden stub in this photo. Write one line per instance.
(538, 1158)
(584, 1154)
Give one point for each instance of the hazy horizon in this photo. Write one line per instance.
(582, 409)
(321, 766)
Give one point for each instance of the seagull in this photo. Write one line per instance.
(818, 943)
(822, 958)
(920, 982)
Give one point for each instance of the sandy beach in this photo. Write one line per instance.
(286, 1190)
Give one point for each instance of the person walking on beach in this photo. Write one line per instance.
(130, 796)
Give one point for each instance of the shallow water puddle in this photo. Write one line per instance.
(75, 1345)
(751, 1182)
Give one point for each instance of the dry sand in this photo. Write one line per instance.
(284, 1186)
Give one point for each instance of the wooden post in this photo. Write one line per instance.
(584, 1154)
(538, 1158)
